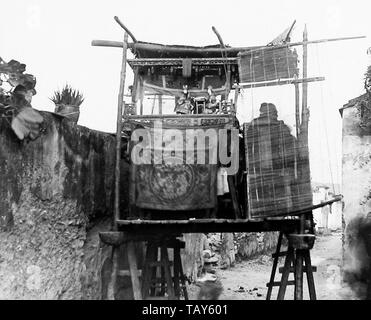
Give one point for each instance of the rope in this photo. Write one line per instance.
(252, 118)
(325, 124)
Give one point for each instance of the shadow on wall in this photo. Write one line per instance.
(357, 272)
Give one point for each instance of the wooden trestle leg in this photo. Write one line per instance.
(111, 289)
(276, 256)
(290, 257)
(310, 278)
(171, 280)
(133, 267)
(298, 266)
(298, 254)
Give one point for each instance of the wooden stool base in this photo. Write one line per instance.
(163, 279)
(297, 255)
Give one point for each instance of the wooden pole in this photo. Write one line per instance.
(115, 250)
(298, 266)
(134, 92)
(120, 103)
(247, 189)
(130, 245)
(125, 28)
(236, 93)
(305, 71)
(297, 122)
(133, 267)
(161, 48)
(297, 107)
(160, 103)
(279, 82)
(224, 55)
(141, 95)
(303, 140)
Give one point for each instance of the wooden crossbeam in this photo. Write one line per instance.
(314, 269)
(280, 82)
(149, 227)
(162, 48)
(116, 238)
(226, 221)
(278, 283)
(280, 254)
(179, 61)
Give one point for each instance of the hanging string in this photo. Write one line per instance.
(263, 185)
(319, 135)
(325, 124)
(331, 99)
(253, 127)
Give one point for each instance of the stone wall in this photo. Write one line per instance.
(356, 188)
(249, 245)
(56, 194)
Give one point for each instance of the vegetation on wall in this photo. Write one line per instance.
(16, 91)
(363, 103)
(12, 74)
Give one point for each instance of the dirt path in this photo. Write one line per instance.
(247, 280)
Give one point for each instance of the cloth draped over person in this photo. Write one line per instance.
(272, 162)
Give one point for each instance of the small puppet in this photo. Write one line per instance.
(184, 104)
(212, 104)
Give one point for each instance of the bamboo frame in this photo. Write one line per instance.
(207, 225)
(167, 48)
(120, 104)
(138, 90)
(280, 82)
(178, 61)
(297, 108)
(125, 28)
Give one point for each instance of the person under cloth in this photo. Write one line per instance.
(272, 156)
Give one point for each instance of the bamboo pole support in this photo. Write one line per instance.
(133, 267)
(297, 121)
(303, 142)
(279, 82)
(303, 134)
(130, 245)
(160, 104)
(305, 71)
(126, 29)
(159, 47)
(120, 103)
(236, 94)
(297, 107)
(224, 55)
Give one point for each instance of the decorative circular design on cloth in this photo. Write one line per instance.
(172, 182)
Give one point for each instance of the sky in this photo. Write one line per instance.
(53, 38)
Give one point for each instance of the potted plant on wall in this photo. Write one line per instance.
(67, 102)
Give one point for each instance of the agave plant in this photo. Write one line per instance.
(67, 96)
(67, 102)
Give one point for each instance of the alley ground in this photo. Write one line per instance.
(247, 279)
